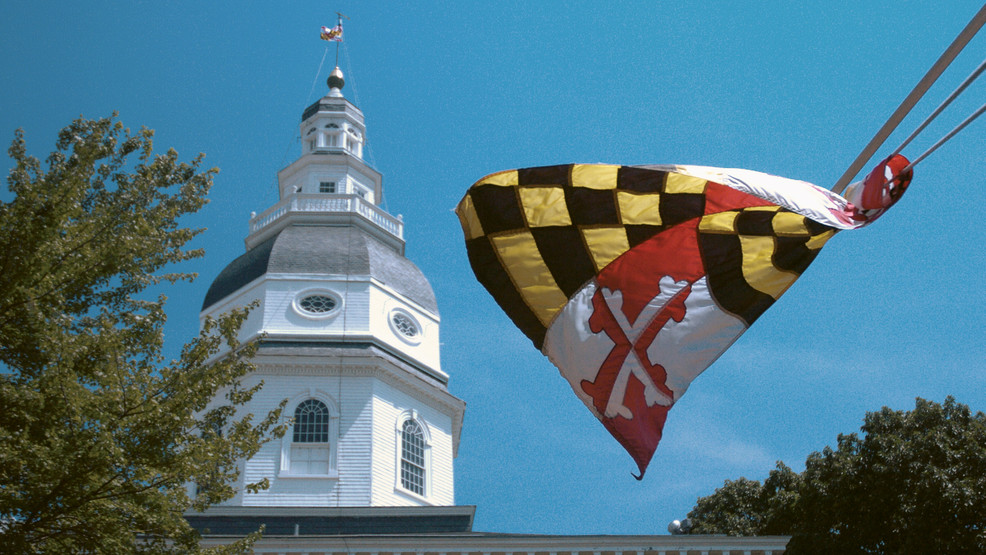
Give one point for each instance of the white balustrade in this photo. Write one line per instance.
(328, 203)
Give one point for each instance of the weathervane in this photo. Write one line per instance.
(334, 34)
(330, 34)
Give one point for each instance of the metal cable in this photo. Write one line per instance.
(968, 81)
(945, 139)
(317, 71)
(922, 87)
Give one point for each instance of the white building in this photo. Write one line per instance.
(349, 334)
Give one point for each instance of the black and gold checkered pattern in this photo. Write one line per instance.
(752, 255)
(535, 236)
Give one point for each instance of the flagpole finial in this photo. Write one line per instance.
(336, 82)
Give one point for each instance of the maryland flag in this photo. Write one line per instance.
(632, 280)
(332, 34)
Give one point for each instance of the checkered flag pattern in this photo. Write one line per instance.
(535, 236)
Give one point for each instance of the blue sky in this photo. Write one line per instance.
(454, 91)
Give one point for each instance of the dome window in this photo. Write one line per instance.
(405, 327)
(320, 304)
(317, 304)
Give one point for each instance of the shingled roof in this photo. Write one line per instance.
(303, 250)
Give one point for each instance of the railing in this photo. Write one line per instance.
(328, 203)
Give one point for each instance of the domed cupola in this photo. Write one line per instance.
(333, 251)
(328, 239)
(348, 330)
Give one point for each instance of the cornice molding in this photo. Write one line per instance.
(380, 368)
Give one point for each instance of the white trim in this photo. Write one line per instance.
(419, 363)
(413, 415)
(227, 303)
(363, 192)
(401, 491)
(284, 465)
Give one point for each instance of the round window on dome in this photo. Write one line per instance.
(405, 327)
(317, 305)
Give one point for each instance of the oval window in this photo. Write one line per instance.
(317, 304)
(404, 325)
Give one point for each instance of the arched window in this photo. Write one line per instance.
(310, 438)
(412, 458)
(210, 431)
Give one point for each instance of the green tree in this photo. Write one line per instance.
(913, 482)
(99, 434)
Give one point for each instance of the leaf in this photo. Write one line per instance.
(99, 436)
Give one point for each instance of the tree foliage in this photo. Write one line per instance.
(99, 433)
(913, 482)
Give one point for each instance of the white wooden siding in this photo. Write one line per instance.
(388, 404)
(382, 303)
(280, 317)
(351, 394)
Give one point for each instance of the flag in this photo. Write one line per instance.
(333, 34)
(633, 280)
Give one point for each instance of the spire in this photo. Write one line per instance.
(336, 82)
